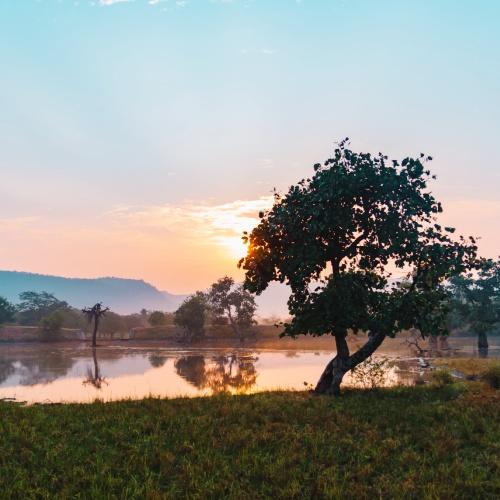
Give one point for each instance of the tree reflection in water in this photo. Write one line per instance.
(94, 377)
(157, 360)
(6, 369)
(226, 373)
(41, 366)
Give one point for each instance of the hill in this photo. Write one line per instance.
(123, 296)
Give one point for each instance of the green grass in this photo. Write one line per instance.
(422, 442)
(469, 366)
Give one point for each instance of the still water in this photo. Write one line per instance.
(42, 373)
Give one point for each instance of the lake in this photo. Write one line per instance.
(69, 372)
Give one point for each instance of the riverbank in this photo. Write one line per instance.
(425, 441)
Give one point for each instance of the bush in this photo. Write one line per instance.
(441, 377)
(50, 326)
(492, 376)
(157, 318)
(371, 373)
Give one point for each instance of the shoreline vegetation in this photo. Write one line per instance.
(441, 440)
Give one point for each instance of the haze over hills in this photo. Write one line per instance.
(124, 296)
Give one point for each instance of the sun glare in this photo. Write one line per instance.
(234, 246)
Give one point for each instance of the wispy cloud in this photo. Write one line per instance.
(195, 219)
(112, 2)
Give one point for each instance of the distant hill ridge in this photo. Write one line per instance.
(124, 296)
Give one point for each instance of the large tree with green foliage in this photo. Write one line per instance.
(191, 315)
(233, 302)
(7, 311)
(34, 306)
(476, 299)
(336, 237)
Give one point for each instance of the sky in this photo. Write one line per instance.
(140, 138)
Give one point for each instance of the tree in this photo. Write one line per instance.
(34, 306)
(112, 323)
(476, 300)
(157, 318)
(50, 326)
(335, 237)
(95, 314)
(233, 302)
(191, 314)
(7, 311)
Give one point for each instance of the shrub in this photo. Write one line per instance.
(50, 326)
(157, 318)
(371, 373)
(492, 376)
(441, 377)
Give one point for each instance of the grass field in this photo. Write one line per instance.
(428, 441)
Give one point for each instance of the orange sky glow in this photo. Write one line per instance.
(177, 248)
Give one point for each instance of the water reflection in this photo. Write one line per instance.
(74, 372)
(6, 369)
(224, 373)
(38, 367)
(94, 376)
(157, 360)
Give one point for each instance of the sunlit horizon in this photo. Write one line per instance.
(140, 139)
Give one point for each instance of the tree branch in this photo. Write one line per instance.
(364, 352)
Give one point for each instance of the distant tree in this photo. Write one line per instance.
(333, 238)
(7, 311)
(95, 314)
(51, 325)
(34, 306)
(157, 318)
(476, 300)
(112, 323)
(233, 302)
(191, 315)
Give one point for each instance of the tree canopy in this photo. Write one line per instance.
(233, 302)
(338, 237)
(476, 299)
(34, 306)
(7, 311)
(191, 315)
(157, 318)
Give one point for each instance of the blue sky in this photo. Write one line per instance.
(121, 122)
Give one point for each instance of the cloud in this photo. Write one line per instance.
(210, 219)
(112, 2)
(208, 224)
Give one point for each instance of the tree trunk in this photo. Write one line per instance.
(482, 340)
(482, 344)
(234, 325)
(94, 334)
(331, 378)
